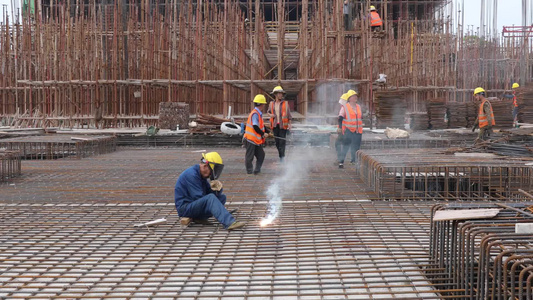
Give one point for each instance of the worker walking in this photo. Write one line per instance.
(338, 142)
(351, 127)
(280, 119)
(254, 136)
(198, 199)
(375, 19)
(515, 105)
(485, 119)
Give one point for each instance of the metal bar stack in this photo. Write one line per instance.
(429, 174)
(391, 108)
(485, 257)
(10, 165)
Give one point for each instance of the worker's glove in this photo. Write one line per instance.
(339, 130)
(216, 185)
(269, 135)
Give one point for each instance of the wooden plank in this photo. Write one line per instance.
(465, 214)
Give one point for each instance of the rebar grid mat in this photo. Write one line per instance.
(408, 143)
(59, 146)
(431, 174)
(149, 175)
(10, 165)
(486, 258)
(315, 250)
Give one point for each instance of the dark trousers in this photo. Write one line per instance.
(338, 146)
(253, 150)
(206, 207)
(280, 144)
(484, 133)
(352, 141)
(346, 22)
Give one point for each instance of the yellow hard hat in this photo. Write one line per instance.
(350, 93)
(278, 89)
(478, 90)
(344, 96)
(214, 161)
(515, 85)
(259, 98)
(372, 7)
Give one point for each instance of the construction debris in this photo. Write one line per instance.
(395, 133)
(173, 115)
(151, 223)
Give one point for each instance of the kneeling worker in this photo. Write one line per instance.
(198, 199)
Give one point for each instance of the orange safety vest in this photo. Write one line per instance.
(515, 103)
(284, 115)
(375, 20)
(353, 120)
(249, 132)
(483, 121)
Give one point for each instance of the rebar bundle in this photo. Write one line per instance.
(486, 258)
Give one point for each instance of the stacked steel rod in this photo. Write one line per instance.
(431, 174)
(485, 258)
(10, 164)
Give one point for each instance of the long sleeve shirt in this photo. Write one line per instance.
(191, 186)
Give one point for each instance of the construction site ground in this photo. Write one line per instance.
(67, 231)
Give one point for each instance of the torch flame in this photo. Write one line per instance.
(266, 222)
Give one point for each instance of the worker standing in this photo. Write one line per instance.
(280, 119)
(375, 19)
(198, 199)
(485, 119)
(515, 105)
(254, 135)
(346, 14)
(351, 127)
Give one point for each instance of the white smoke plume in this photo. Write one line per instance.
(295, 171)
(297, 166)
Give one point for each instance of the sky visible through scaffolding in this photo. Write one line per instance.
(509, 12)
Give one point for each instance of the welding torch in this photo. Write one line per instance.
(277, 137)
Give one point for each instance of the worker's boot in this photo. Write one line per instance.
(236, 224)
